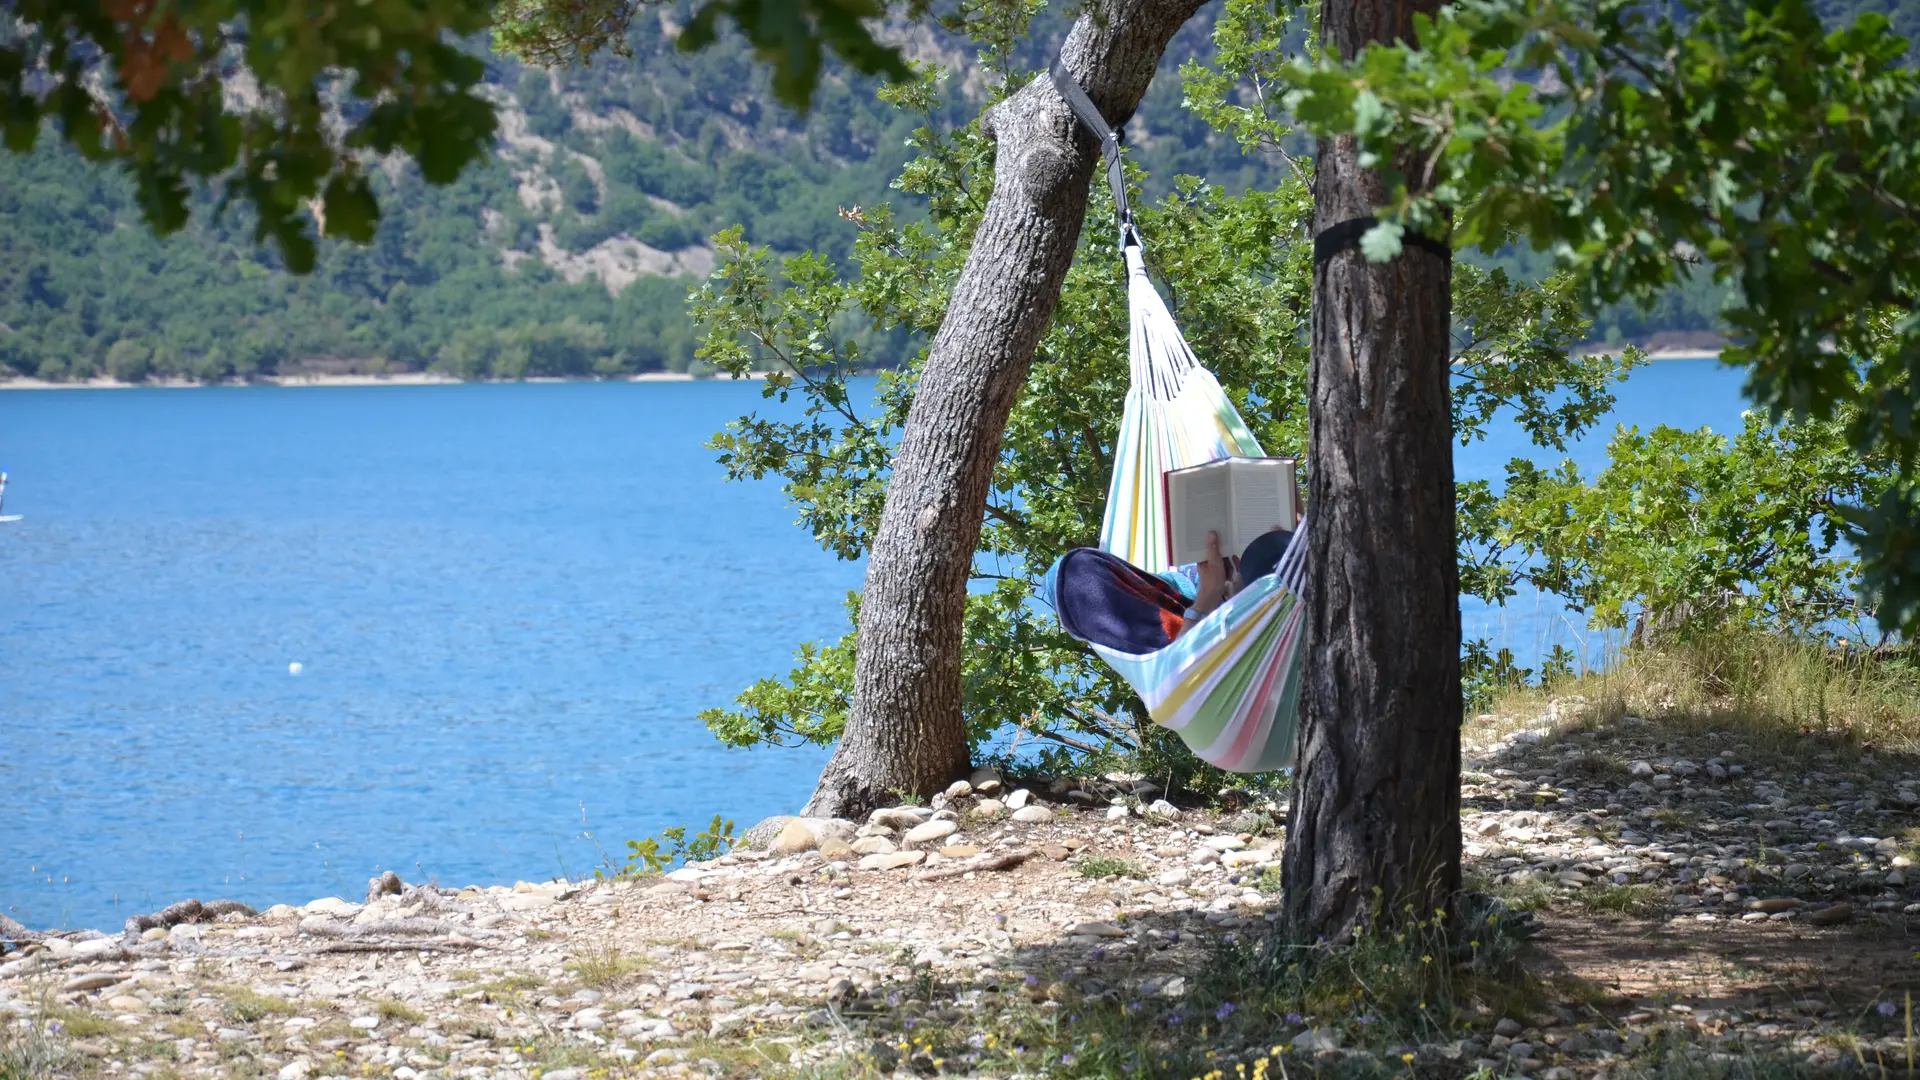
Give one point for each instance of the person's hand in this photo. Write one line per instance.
(1216, 574)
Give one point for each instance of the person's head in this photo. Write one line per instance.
(1263, 554)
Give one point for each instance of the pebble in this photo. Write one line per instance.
(959, 789)
(1831, 916)
(891, 860)
(928, 833)
(1032, 815)
(1018, 799)
(92, 981)
(986, 781)
(874, 845)
(794, 838)
(1317, 1040)
(899, 817)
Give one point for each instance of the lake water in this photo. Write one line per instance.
(509, 603)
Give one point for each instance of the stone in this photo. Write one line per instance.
(1018, 799)
(899, 817)
(364, 1023)
(1831, 916)
(928, 833)
(986, 781)
(1317, 1040)
(892, 861)
(1117, 813)
(1161, 808)
(1773, 904)
(989, 808)
(1508, 1026)
(1179, 875)
(93, 981)
(334, 906)
(297, 1069)
(126, 1003)
(874, 845)
(153, 933)
(959, 851)
(959, 789)
(1253, 857)
(794, 838)
(1032, 815)
(1097, 929)
(836, 850)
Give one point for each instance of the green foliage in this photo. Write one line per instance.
(1691, 530)
(1747, 139)
(655, 854)
(276, 106)
(1239, 272)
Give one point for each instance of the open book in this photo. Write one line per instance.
(1237, 497)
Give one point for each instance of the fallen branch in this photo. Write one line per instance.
(393, 946)
(1006, 860)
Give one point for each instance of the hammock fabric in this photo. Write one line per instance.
(1228, 682)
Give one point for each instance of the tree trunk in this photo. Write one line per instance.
(1375, 826)
(905, 733)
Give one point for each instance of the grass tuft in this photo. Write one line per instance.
(1101, 866)
(1775, 691)
(1641, 901)
(400, 1010)
(607, 967)
(248, 1006)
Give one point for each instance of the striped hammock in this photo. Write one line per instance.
(1230, 684)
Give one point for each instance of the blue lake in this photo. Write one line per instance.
(509, 604)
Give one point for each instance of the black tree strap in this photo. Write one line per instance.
(1346, 234)
(1083, 107)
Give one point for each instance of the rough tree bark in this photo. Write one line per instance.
(1375, 825)
(905, 732)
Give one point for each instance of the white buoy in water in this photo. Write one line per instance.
(295, 668)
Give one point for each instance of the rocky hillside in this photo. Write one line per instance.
(570, 253)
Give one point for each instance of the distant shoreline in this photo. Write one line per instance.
(409, 378)
(434, 378)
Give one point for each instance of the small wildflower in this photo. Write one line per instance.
(1225, 1010)
(1033, 980)
(1367, 1019)
(977, 1041)
(1174, 1019)
(1885, 1008)
(54, 1026)
(1296, 1019)
(1408, 1058)
(1068, 1059)
(1427, 959)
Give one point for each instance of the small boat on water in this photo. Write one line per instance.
(6, 518)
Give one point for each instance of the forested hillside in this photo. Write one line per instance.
(570, 253)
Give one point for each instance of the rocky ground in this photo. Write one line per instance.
(1696, 901)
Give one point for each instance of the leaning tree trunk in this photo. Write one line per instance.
(1375, 826)
(905, 734)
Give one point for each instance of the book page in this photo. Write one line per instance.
(1262, 497)
(1199, 501)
